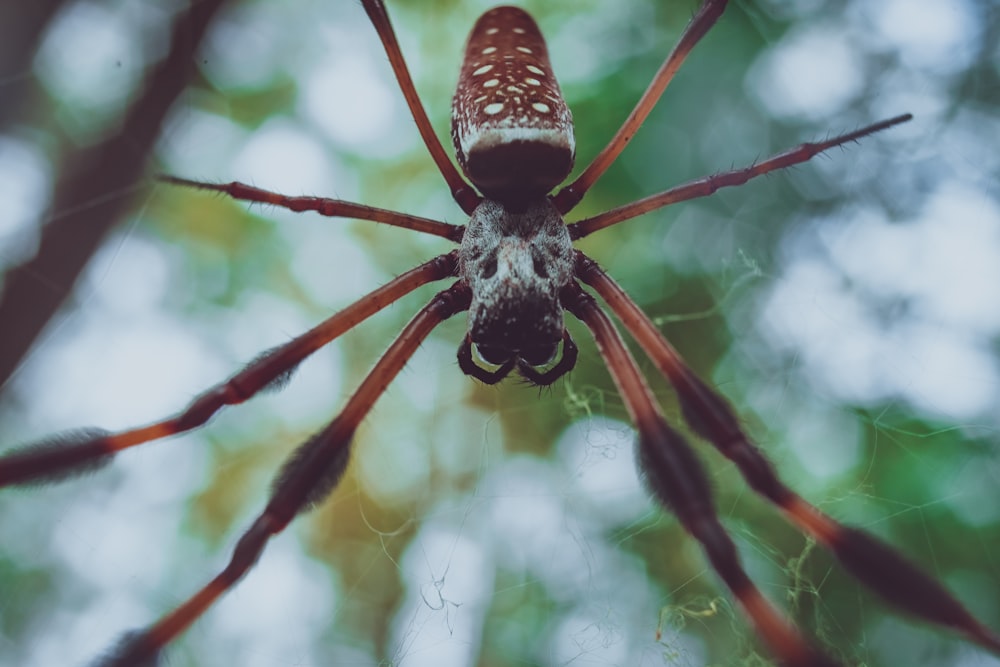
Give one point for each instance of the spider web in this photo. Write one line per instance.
(847, 308)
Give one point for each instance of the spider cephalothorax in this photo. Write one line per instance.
(516, 264)
(517, 273)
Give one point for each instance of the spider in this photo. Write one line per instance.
(516, 285)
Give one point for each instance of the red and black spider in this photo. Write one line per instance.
(516, 273)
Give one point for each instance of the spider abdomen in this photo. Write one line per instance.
(512, 130)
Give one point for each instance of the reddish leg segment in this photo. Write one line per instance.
(460, 190)
(332, 208)
(703, 187)
(706, 16)
(83, 451)
(676, 478)
(879, 566)
(306, 478)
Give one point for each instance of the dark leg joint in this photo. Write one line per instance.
(134, 649)
(898, 580)
(248, 550)
(57, 458)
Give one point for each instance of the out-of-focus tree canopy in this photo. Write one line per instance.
(847, 308)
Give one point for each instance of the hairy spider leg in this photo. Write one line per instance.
(81, 451)
(331, 208)
(307, 477)
(676, 478)
(703, 20)
(880, 567)
(702, 187)
(461, 191)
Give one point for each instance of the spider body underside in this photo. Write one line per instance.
(517, 273)
(515, 265)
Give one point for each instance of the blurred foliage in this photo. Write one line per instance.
(226, 258)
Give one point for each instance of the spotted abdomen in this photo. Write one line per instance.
(512, 130)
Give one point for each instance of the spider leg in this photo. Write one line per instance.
(706, 16)
(880, 567)
(463, 193)
(703, 187)
(471, 368)
(332, 208)
(564, 365)
(308, 476)
(82, 451)
(674, 475)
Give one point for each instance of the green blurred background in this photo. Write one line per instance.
(848, 308)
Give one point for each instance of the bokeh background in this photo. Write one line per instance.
(848, 308)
